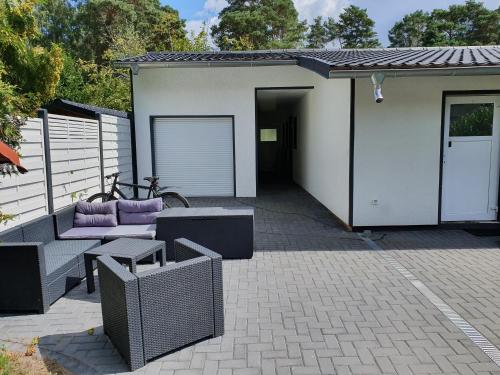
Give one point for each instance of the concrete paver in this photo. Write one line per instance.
(322, 311)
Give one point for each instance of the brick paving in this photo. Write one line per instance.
(460, 268)
(292, 312)
(287, 218)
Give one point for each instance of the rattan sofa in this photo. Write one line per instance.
(35, 269)
(65, 230)
(152, 313)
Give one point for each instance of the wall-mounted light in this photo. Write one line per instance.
(377, 80)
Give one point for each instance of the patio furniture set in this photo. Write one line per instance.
(145, 314)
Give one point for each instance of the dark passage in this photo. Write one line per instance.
(277, 131)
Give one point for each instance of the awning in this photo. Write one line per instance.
(9, 156)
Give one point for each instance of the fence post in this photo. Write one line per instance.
(44, 115)
(101, 150)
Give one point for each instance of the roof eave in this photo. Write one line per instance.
(416, 72)
(201, 64)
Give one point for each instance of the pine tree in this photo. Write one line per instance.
(318, 34)
(258, 24)
(355, 29)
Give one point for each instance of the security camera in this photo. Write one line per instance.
(377, 80)
(378, 94)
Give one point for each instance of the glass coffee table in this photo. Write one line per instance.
(125, 251)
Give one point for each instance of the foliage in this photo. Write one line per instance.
(94, 33)
(330, 29)
(5, 365)
(56, 20)
(86, 82)
(197, 42)
(127, 44)
(258, 24)
(318, 34)
(410, 31)
(476, 122)
(468, 24)
(169, 32)
(99, 22)
(5, 218)
(28, 72)
(13, 363)
(355, 29)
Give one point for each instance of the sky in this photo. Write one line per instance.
(384, 12)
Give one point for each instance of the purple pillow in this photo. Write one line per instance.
(149, 205)
(129, 218)
(95, 214)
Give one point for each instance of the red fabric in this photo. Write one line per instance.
(8, 155)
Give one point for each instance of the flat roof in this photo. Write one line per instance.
(82, 108)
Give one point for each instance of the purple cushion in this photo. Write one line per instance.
(95, 214)
(128, 218)
(149, 205)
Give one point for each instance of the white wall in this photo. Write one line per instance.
(231, 91)
(25, 195)
(321, 161)
(397, 148)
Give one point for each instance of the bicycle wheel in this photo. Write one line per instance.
(172, 199)
(101, 197)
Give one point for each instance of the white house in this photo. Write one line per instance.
(221, 123)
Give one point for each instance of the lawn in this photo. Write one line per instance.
(28, 364)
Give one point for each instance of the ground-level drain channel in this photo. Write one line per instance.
(473, 334)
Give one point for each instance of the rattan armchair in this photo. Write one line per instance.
(151, 313)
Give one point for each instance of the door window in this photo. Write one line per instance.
(471, 120)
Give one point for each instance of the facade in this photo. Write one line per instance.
(225, 124)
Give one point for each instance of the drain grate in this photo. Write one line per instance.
(473, 334)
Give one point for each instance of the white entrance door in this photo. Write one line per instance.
(471, 159)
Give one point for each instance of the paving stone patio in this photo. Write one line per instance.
(321, 311)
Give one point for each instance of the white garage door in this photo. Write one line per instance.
(195, 155)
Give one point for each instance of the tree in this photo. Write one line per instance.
(168, 33)
(355, 29)
(125, 44)
(330, 29)
(29, 73)
(410, 31)
(86, 82)
(258, 24)
(468, 24)
(139, 24)
(199, 42)
(94, 33)
(318, 34)
(56, 20)
(100, 21)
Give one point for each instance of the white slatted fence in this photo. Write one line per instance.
(117, 150)
(75, 159)
(75, 164)
(25, 196)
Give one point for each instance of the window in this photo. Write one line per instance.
(268, 135)
(471, 120)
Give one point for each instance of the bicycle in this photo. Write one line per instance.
(170, 198)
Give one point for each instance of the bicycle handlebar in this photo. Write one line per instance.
(116, 174)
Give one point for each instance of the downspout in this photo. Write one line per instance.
(131, 117)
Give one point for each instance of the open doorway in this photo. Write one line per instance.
(277, 132)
